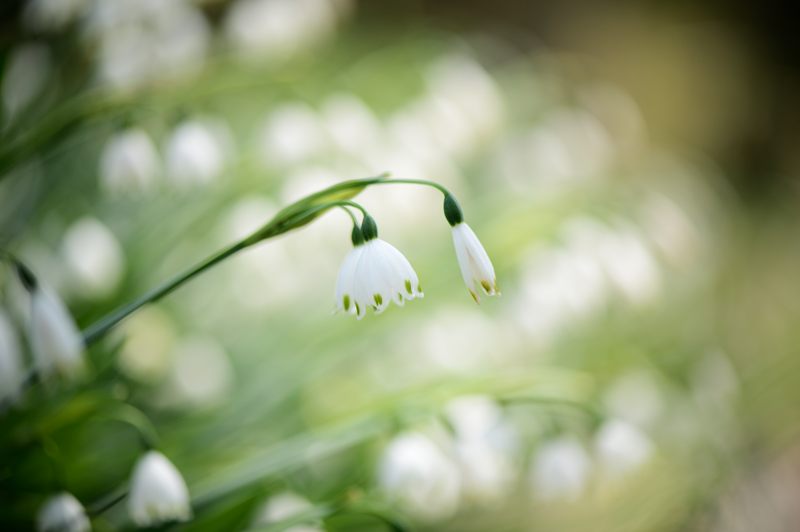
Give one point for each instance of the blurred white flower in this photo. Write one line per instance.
(629, 263)
(158, 493)
(567, 147)
(476, 267)
(669, 226)
(62, 513)
(94, 258)
(196, 152)
(26, 71)
(373, 274)
(11, 369)
(55, 340)
(292, 134)
(283, 506)
(352, 125)
(141, 41)
(621, 448)
(560, 470)
(129, 162)
(53, 14)
(411, 149)
(416, 472)
(485, 446)
(561, 284)
(463, 92)
(487, 473)
(277, 29)
(202, 374)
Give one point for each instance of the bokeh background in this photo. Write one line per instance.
(631, 167)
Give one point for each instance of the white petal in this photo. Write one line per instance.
(391, 277)
(362, 286)
(482, 263)
(473, 261)
(346, 279)
(55, 339)
(459, 242)
(403, 273)
(158, 492)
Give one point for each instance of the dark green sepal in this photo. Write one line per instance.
(452, 211)
(26, 277)
(369, 228)
(357, 236)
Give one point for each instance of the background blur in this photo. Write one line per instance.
(631, 167)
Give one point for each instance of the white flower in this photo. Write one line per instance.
(11, 372)
(55, 340)
(373, 274)
(560, 470)
(158, 492)
(129, 162)
(196, 152)
(621, 448)
(62, 513)
(420, 476)
(476, 268)
(285, 506)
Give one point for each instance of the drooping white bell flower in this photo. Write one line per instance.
(158, 493)
(373, 274)
(54, 337)
(62, 513)
(11, 372)
(420, 476)
(476, 267)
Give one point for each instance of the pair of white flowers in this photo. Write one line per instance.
(375, 273)
(158, 494)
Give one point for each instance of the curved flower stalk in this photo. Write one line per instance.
(476, 267)
(53, 334)
(62, 513)
(158, 493)
(294, 216)
(373, 274)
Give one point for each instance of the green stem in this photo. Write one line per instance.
(349, 203)
(423, 182)
(107, 502)
(95, 331)
(351, 215)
